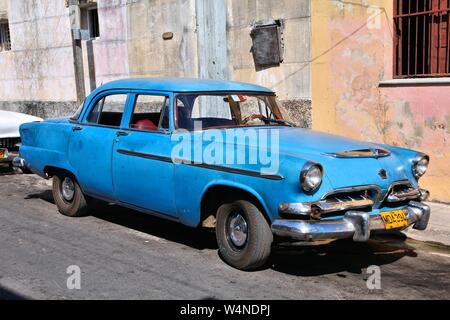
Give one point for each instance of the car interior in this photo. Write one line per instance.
(185, 119)
(148, 121)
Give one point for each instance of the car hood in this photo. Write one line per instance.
(313, 142)
(347, 171)
(11, 121)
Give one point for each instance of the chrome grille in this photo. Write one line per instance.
(346, 198)
(10, 143)
(402, 191)
(341, 201)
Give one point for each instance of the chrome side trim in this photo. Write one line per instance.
(201, 165)
(144, 155)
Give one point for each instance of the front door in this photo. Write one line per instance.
(142, 166)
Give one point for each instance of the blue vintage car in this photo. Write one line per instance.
(219, 154)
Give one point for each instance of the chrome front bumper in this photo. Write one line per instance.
(354, 224)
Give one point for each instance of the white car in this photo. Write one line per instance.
(9, 133)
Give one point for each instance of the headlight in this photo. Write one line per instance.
(420, 165)
(311, 176)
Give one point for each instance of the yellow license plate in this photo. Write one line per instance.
(394, 219)
(2, 153)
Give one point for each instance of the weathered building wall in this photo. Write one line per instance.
(352, 57)
(211, 39)
(106, 58)
(37, 74)
(291, 79)
(149, 53)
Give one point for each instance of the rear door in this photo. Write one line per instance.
(92, 141)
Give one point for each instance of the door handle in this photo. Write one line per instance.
(77, 128)
(121, 133)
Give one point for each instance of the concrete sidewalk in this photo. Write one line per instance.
(438, 228)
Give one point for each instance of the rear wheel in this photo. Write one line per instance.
(243, 235)
(68, 196)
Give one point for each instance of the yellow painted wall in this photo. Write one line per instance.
(352, 52)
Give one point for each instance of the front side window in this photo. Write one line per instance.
(150, 113)
(108, 111)
(226, 110)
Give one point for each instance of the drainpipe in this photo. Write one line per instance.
(75, 26)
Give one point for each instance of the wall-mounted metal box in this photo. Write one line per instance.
(268, 43)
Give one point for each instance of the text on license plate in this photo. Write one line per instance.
(394, 219)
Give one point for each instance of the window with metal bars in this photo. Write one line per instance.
(5, 37)
(421, 43)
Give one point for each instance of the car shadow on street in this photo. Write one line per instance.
(336, 257)
(196, 238)
(342, 256)
(46, 195)
(6, 294)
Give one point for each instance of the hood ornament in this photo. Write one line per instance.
(363, 153)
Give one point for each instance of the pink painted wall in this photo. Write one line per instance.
(352, 55)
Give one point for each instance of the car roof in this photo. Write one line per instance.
(182, 85)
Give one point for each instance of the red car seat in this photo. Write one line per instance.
(146, 124)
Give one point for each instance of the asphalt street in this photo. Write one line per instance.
(124, 254)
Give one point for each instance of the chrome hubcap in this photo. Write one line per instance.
(68, 189)
(238, 230)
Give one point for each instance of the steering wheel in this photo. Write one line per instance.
(253, 117)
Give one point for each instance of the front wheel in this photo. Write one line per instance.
(68, 196)
(243, 235)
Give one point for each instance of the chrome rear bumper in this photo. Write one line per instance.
(354, 224)
(19, 164)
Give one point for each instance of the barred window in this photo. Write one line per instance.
(5, 37)
(421, 43)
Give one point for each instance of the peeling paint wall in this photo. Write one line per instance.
(352, 53)
(149, 54)
(291, 79)
(38, 68)
(210, 39)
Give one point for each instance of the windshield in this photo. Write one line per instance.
(200, 111)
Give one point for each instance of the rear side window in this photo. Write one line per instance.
(150, 113)
(108, 111)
